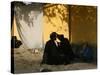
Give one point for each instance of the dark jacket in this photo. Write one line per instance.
(51, 53)
(66, 50)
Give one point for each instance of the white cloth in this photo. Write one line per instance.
(30, 30)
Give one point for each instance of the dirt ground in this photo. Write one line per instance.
(26, 61)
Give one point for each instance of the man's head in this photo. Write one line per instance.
(53, 36)
(60, 37)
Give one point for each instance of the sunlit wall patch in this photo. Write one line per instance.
(55, 19)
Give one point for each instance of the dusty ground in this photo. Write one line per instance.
(26, 61)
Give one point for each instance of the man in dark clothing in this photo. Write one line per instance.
(51, 53)
(15, 43)
(66, 52)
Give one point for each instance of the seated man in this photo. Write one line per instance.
(51, 53)
(86, 53)
(15, 43)
(66, 52)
